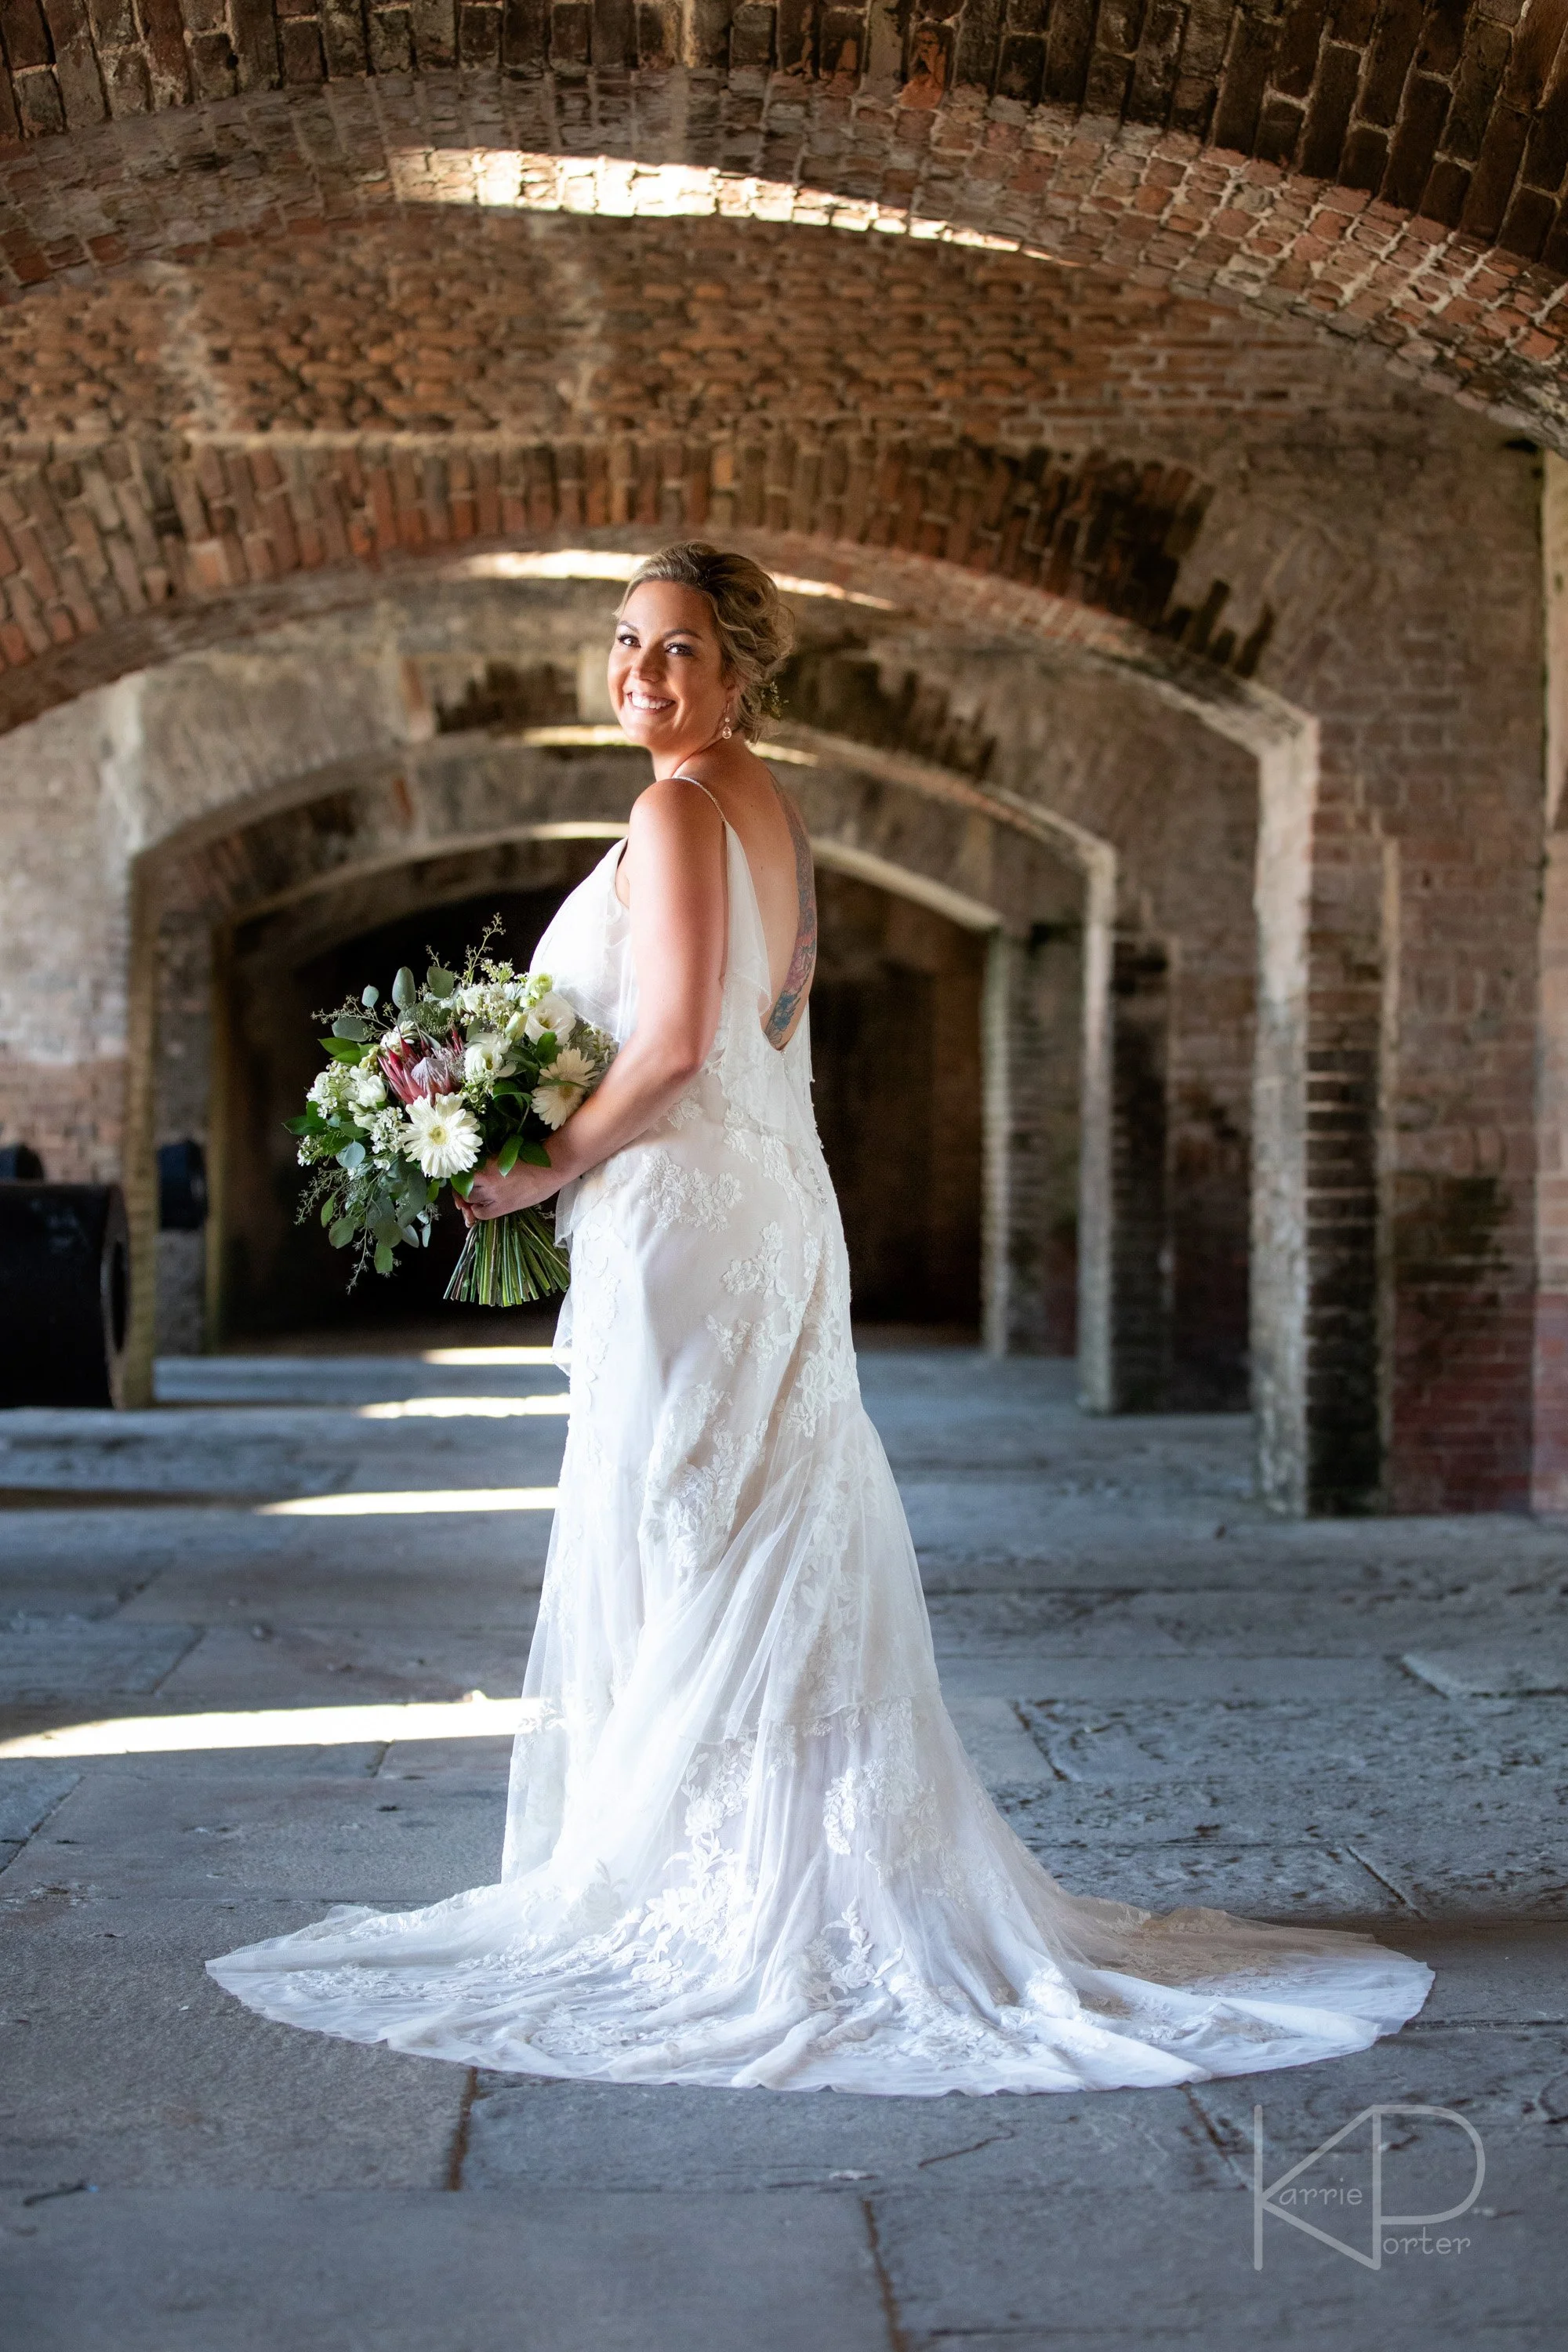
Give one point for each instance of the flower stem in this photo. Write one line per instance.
(509, 1262)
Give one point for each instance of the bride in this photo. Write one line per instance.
(744, 1845)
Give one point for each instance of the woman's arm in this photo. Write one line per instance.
(674, 864)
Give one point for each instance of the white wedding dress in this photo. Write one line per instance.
(744, 1845)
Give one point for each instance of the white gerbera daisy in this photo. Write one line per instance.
(562, 1087)
(443, 1136)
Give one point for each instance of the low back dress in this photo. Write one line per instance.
(744, 1845)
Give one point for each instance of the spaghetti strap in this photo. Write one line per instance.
(679, 776)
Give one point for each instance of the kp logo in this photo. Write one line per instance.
(1292, 2197)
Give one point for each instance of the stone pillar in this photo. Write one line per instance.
(1140, 1265)
(1287, 780)
(1353, 987)
(139, 1165)
(1033, 1052)
(1550, 1477)
(181, 1112)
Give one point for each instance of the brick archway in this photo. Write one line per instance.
(908, 746)
(1399, 184)
(122, 558)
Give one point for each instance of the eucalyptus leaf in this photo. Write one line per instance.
(352, 1156)
(370, 997)
(439, 983)
(329, 1211)
(343, 1232)
(349, 1024)
(383, 1259)
(405, 994)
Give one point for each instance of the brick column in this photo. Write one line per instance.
(1034, 1056)
(1549, 1469)
(1141, 1261)
(1345, 1398)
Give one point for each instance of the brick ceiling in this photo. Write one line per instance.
(1455, 113)
(221, 221)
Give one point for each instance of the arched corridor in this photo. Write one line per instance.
(1156, 421)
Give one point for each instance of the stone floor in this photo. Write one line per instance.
(1176, 1698)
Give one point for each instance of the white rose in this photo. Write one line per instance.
(485, 1059)
(554, 1011)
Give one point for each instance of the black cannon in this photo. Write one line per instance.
(64, 1292)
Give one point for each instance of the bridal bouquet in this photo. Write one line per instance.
(471, 1065)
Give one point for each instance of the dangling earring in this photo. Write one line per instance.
(726, 731)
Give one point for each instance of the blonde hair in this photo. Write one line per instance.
(756, 634)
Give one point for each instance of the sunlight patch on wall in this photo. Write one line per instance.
(616, 563)
(512, 179)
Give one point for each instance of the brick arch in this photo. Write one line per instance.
(116, 558)
(1394, 175)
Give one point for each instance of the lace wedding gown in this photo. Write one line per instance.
(744, 1843)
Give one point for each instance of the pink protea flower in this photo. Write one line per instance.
(440, 1071)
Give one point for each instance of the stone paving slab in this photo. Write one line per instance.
(1029, 1674)
(208, 2271)
(42, 1657)
(1256, 1621)
(1536, 1665)
(1150, 2267)
(314, 1827)
(249, 1455)
(259, 1663)
(1000, 1748)
(1510, 2081)
(524, 2133)
(482, 1570)
(120, 2060)
(1316, 1884)
(1407, 1734)
(29, 1792)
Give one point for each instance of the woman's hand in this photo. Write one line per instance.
(491, 1194)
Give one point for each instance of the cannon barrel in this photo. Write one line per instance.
(64, 1292)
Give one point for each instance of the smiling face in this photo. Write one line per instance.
(668, 687)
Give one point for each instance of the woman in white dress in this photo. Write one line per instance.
(744, 1845)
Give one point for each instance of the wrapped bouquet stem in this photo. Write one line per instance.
(508, 1261)
(420, 1091)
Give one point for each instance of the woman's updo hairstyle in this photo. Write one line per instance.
(755, 630)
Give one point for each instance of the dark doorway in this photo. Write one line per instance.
(896, 1044)
(897, 1048)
